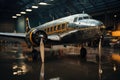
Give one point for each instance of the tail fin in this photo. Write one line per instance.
(27, 24)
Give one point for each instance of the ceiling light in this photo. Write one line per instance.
(35, 7)
(23, 12)
(28, 10)
(14, 16)
(115, 15)
(43, 3)
(18, 14)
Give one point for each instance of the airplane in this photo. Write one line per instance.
(77, 28)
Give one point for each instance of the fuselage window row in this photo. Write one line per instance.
(56, 29)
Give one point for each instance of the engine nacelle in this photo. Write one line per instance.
(34, 36)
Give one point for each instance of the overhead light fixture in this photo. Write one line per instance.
(115, 15)
(35, 7)
(18, 14)
(43, 3)
(23, 12)
(14, 17)
(28, 10)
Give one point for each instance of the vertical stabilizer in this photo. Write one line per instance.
(27, 24)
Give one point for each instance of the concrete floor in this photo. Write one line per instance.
(14, 65)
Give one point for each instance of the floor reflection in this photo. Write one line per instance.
(67, 68)
(42, 72)
(22, 67)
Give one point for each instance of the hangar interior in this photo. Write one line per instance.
(13, 14)
(106, 11)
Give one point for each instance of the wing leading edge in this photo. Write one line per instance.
(13, 35)
(23, 36)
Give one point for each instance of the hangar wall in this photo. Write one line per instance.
(7, 25)
(34, 20)
(20, 26)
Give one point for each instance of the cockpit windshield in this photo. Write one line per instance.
(86, 17)
(75, 19)
(81, 18)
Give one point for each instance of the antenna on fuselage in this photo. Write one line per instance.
(83, 12)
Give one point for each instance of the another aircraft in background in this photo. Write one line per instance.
(76, 28)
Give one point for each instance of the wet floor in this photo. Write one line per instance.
(14, 65)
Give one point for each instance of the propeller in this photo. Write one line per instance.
(42, 72)
(42, 50)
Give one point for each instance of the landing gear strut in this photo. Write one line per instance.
(35, 54)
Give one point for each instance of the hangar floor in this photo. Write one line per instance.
(16, 65)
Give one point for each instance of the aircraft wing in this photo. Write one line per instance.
(54, 38)
(13, 35)
(51, 39)
(23, 36)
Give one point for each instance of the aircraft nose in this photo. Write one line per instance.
(100, 24)
(91, 22)
(96, 22)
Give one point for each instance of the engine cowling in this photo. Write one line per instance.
(34, 36)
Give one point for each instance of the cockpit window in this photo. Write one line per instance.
(75, 19)
(80, 18)
(85, 17)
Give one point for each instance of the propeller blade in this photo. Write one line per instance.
(42, 72)
(42, 50)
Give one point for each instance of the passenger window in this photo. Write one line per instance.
(75, 19)
(47, 29)
(54, 28)
(58, 27)
(63, 26)
(51, 29)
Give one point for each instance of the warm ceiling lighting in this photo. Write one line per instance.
(23, 12)
(35, 7)
(43, 3)
(14, 16)
(18, 14)
(28, 10)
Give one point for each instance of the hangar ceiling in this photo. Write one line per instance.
(57, 8)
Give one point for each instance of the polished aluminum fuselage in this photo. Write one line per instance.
(77, 31)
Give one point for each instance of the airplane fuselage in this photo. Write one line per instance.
(72, 29)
